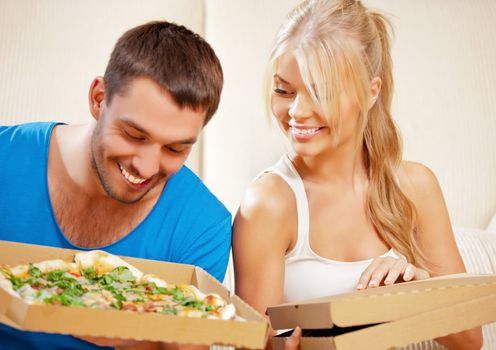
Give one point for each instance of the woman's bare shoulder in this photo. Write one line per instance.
(417, 180)
(268, 194)
(267, 215)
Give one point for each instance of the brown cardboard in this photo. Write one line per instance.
(15, 312)
(391, 316)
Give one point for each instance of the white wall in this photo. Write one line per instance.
(445, 100)
(51, 50)
(241, 140)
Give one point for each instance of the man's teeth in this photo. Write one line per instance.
(299, 131)
(131, 178)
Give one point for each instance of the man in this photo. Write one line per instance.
(118, 183)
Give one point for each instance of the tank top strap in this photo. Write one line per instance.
(286, 170)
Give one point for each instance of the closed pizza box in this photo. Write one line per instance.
(250, 333)
(390, 316)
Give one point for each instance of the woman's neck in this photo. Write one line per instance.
(343, 164)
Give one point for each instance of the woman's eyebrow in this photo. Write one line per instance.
(278, 77)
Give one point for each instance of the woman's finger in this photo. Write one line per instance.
(293, 341)
(366, 275)
(421, 274)
(381, 271)
(395, 271)
(409, 273)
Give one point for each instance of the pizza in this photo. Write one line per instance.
(100, 280)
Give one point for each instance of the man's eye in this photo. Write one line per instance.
(175, 149)
(133, 136)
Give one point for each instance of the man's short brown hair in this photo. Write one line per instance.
(177, 59)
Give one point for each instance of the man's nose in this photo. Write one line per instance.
(147, 161)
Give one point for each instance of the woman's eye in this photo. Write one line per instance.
(282, 92)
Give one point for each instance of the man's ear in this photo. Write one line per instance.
(96, 96)
(375, 89)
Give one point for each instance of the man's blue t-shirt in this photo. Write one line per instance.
(188, 224)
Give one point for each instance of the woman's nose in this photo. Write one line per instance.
(301, 107)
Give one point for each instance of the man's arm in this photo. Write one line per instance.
(208, 247)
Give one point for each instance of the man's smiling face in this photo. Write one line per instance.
(142, 138)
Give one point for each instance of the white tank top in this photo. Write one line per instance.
(308, 275)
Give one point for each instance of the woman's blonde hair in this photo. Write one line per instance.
(340, 46)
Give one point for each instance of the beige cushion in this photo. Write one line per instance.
(478, 249)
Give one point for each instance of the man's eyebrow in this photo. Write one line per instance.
(134, 125)
(191, 141)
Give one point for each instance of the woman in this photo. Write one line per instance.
(343, 212)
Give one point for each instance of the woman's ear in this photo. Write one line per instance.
(96, 96)
(375, 89)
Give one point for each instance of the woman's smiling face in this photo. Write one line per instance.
(302, 120)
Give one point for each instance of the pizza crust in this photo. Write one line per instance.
(103, 262)
(5, 282)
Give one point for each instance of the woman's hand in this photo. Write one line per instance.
(389, 270)
(293, 341)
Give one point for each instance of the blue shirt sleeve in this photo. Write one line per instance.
(210, 250)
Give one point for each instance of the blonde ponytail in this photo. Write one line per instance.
(391, 212)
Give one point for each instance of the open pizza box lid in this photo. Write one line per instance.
(15, 312)
(390, 316)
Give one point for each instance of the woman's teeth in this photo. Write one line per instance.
(306, 131)
(131, 178)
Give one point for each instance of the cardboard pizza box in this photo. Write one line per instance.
(390, 316)
(16, 313)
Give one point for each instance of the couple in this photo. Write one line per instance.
(119, 184)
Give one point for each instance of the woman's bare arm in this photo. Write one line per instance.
(436, 239)
(264, 228)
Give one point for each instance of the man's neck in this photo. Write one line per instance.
(71, 149)
(85, 213)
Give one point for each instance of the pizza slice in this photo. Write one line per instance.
(97, 279)
(51, 281)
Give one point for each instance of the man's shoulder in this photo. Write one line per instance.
(26, 131)
(187, 187)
